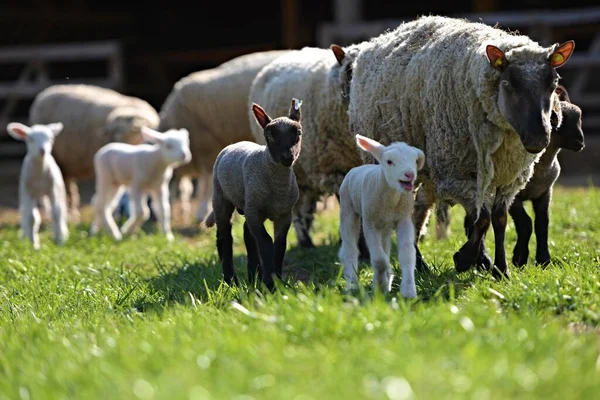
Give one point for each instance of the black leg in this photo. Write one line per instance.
(303, 217)
(223, 213)
(252, 254)
(524, 230)
(264, 243)
(420, 265)
(484, 261)
(541, 207)
(468, 255)
(281, 227)
(499, 220)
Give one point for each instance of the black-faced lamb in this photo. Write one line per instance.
(259, 182)
(144, 169)
(40, 180)
(381, 195)
(477, 100)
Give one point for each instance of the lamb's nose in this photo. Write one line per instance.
(409, 175)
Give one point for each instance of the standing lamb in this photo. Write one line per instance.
(40, 179)
(477, 100)
(92, 116)
(321, 77)
(259, 182)
(211, 105)
(144, 169)
(568, 135)
(382, 196)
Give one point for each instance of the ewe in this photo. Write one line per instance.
(40, 179)
(144, 169)
(382, 196)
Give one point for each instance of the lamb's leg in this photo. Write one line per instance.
(30, 220)
(524, 230)
(162, 209)
(382, 273)
(407, 256)
(468, 255)
(363, 248)
(499, 220)
(139, 212)
(264, 243)
(103, 201)
(303, 214)
(73, 199)
(185, 195)
(281, 227)
(348, 253)
(252, 254)
(59, 217)
(204, 195)
(541, 208)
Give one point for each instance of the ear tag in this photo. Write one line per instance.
(557, 58)
(297, 104)
(498, 62)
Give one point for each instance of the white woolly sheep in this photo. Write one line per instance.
(382, 197)
(40, 180)
(322, 78)
(92, 117)
(144, 169)
(259, 182)
(476, 99)
(211, 104)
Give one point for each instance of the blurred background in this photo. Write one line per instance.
(142, 49)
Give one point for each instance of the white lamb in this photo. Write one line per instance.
(382, 195)
(144, 169)
(40, 179)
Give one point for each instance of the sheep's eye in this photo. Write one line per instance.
(505, 82)
(390, 162)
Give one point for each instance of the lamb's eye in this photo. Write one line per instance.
(169, 146)
(389, 162)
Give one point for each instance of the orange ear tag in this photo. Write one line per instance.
(498, 62)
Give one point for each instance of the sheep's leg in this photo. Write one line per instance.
(484, 261)
(30, 220)
(363, 248)
(348, 253)
(303, 214)
(73, 199)
(186, 189)
(541, 208)
(252, 254)
(468, 254)
(422, 208)
(407, 256)
(499, 220)
(382, 273)
(264, 243)
(524, 230)
(204, 195)
(139, 212)
(59, 218)
(162, 209)
(442, 216)
(281, 227)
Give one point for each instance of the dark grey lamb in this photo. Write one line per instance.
(259, 182)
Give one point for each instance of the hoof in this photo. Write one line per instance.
(463, 261)
(484, 263)
(519, 260)
(421, 265)
(543, 262)
(306, 244)
(499, 274)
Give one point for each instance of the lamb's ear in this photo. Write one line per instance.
(295, 113)
(151, 135)
(561, 54)
(184, 132)
(18, 130)
(261, 115)
(562, 93)
(339, 53)
(420, 159)
(370, 145)
(496, 57)
(56, 128)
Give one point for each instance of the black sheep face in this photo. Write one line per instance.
(283, 135)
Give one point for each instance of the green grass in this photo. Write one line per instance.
(143, 319)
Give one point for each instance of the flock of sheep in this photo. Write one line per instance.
(477, 111)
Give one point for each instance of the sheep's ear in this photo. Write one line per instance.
(370, 145)
(295, 113)
(151, 135)
(261, 115)
(339, 53)
(56, 128)
(561, 54)
(562, 93)
(420, 159)
(496, 57)
(18, 130)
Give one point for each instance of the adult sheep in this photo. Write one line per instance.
(92, 116)
(477, 100)
(211, 105)
(321, 78)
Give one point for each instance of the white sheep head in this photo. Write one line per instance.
(399, 162)
(38, 138)
(124, 125)
(174, 144)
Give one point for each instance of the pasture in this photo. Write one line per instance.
(145, 319)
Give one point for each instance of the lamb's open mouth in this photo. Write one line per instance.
(407, 185)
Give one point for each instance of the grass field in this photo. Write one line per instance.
(143, 319)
